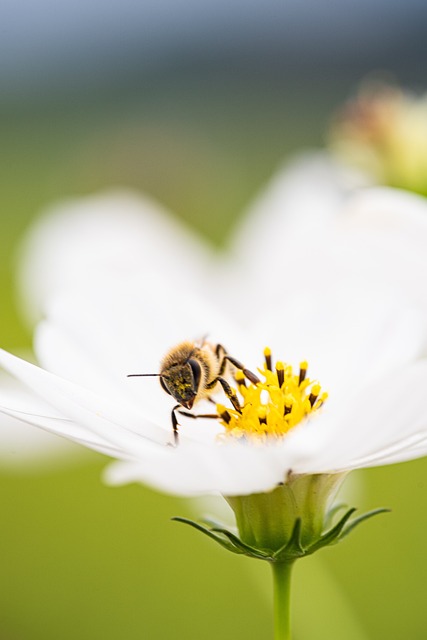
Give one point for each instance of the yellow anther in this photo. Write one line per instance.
(307, 405)
(268, 360)
(274, 405)
(321, 400)
(262, 415)
(280, 370)
(315, 390)
(302, 371)
(223, 414)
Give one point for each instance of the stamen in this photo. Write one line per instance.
(223, 413)
(321, 400)
(268, 360)
(262, 415)
(280, 370)
(314, 393)
(240, 378)
(302, 371)
(272, 407)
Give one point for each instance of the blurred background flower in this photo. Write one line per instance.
(194, 103)
(383, 131)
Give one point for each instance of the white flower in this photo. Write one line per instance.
(345, 294)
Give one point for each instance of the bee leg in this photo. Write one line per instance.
(223, 356)
(175, 425)
(230, 394)
(246, 372)
(227, 390)
(198, 415)
(220, 351)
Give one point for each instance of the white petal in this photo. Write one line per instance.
(21, 446)
(96, 341)
(144, 396)
(116, 232)
(100, 415)
(407, 449)
(306, 236)
(304, 196)
(391, 214)
(348, 336)
(389, 229)
(382, 421)
(21, 440)
(131, 322)
(24, 448)
(197, 469)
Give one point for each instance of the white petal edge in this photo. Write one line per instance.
(306, 194)
(97, 414)
(380, 422)
(118, 231)
(196, 470)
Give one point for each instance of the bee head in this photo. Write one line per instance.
(182, 382)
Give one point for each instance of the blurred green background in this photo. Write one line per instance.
(201, 134)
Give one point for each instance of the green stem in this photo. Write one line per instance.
(282, 598)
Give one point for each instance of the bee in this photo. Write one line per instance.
(190, 372)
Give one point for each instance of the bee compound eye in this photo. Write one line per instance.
(164, 387)
(197, 372)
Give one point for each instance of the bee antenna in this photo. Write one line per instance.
(140, 375)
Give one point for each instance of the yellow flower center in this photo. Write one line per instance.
(274, 405)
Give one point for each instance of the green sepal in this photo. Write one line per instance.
(330, 516)
(294, 548)
(213, 524)
(226, 539)
(365, 516)
(331, 536)
(246, 549)
(208, 532)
